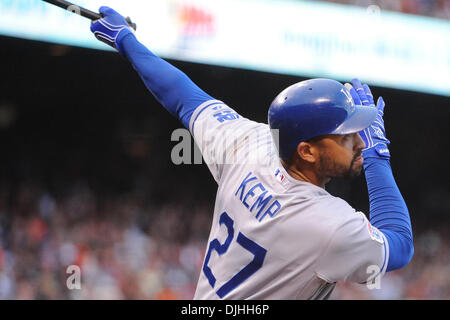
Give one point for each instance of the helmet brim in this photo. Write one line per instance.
(360, 119)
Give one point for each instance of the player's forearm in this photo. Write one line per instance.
(388, 211)
(170, 86)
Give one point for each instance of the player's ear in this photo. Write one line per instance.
(307, 152)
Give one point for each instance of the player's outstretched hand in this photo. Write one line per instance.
(375, 135)
(111, 29)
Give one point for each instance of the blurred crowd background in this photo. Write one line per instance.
(86, 178)
(129, 249)
(430, 8)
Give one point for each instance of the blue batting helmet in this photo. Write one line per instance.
(312, 108)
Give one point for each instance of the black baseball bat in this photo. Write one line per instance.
(66, 5)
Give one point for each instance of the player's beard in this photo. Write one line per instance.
(329, 167)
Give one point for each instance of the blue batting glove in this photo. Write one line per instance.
(111, 29)
(375, 135)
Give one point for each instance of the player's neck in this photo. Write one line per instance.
(303, 173)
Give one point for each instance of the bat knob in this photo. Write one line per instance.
(131, 23)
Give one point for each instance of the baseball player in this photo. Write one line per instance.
(276, 232)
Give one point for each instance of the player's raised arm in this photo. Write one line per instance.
(388, 210)
(170, 86)
(214, 125)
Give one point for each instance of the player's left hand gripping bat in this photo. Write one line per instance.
(83, 11)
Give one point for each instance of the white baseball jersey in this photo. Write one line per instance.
(272, 236)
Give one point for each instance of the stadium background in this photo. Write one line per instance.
(86, 177)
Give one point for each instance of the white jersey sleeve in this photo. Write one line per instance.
(223, 136)
(357, 252)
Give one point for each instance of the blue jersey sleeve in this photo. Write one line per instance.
(388, 211)
(170, 86)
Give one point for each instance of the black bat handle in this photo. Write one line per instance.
(83, 11)
(76, 9)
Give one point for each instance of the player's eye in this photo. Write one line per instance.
(346, 138)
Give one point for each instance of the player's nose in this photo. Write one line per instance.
(359, 142)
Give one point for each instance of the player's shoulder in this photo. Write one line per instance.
(336, 214)
(349, 226)
(347, 214)
(216, 113)
(315, 217)
(325, 204)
